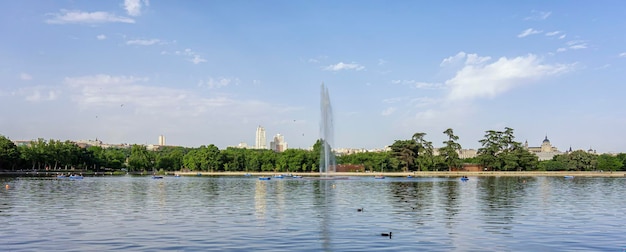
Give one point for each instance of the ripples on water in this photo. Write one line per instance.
(246, 214)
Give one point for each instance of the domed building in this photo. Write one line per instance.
(545, 152)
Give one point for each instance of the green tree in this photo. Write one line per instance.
(213, 158)
(500, 151)
(608, 162)
(424, 155)
(450, 151)
(9, 154)
(405, 152)
(140, 159)
(193, 160)
(578, 161)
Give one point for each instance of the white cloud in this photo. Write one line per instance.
(37, 96)
(528, 32)
(25, 76)
(489, 80)
(38, 93)
(143, 42)
(197, 59)
(194, 56)
(114, 91)
(474, 59)
(553, 33)
(218, 83)
(562, 36)
(133, 7)
(138, 96)
(101, 37)
(577, 44)
(453, 59)
(381, 62)
(317, 59)
(538, 15)
(80, 17)
(573, 45)
(421, 102)
(344, 66)
(470, 59)
(388, 111)
(622, 55)
(418, 84)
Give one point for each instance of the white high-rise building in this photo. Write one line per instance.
(162, 140)
(279, 144)
(261, 142)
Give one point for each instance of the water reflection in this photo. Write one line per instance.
(246, 214)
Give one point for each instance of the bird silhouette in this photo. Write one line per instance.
(386, 234)
(360, 210)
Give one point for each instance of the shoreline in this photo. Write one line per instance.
(421, 174)
(354, 174)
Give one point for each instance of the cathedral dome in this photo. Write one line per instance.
(546, 140)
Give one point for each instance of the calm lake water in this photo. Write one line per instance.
(246, 214)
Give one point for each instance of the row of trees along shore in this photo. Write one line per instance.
(499, 152)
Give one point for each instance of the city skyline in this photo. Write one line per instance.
(208, 72)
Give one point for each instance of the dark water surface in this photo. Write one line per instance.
(245, 214)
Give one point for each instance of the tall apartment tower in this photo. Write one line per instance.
(279, 144)
(261, 142)
(162, 140)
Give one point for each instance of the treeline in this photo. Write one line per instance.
(499, 152)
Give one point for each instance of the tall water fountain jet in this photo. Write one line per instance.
(327, 160)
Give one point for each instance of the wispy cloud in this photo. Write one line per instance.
(573, 45)
(218, 83)
(382, 62)
(344, 66)
(418, 84)
(101, 37)
(318, 59)
(197, 59)
(38, 96)
(622, 55)
(453, 59)
(144, 42)
(143, 97)
(528, 32)
(489, 80)
(133, 7)
(81, 17)
(552, 33)
(538, 15)
(114, 91)
(577, 44)
(388, 111)
(25, 77)
(462, 57)
(191, 55)
(38, 93)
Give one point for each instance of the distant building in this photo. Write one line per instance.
(261, 142)
(279, 144)
(19, 143)
(162, 140)
(87, 143)
(545, 152)
(467, 153)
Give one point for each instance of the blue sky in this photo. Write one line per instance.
(210, 72)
